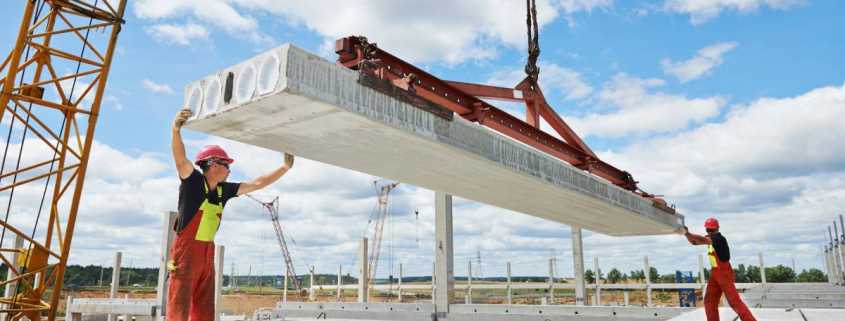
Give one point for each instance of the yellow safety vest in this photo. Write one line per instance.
(211, 214)
(711, 253)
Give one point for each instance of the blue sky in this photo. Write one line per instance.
(728, 108)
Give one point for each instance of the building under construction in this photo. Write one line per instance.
(368, 111)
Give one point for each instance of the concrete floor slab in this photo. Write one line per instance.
(764, 314)
(316, 109)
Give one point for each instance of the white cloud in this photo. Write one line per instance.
(156, 87)
(181, 35)
(468, 30)
(702, 64)
(635, 108)
(572, 6)
(219, 12)
(553, 77)
(701, 11)
(766, 151)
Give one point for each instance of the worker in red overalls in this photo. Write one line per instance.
(721, 272)
(202, 196)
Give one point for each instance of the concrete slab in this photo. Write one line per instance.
(770, 315)
(823, 314)
(289, 100)
(796, 295)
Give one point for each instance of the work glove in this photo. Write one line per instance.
(181, 117)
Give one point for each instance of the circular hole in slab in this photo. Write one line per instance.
(245, 84)
(194, 99)
(213, 96)
(268, 74)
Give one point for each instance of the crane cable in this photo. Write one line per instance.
(531, 68)
(23, 140)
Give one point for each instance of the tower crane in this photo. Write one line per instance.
(272, 208)
(54, 115)
(378, 227)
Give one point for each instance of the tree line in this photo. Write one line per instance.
(95, 275)
(742, 274)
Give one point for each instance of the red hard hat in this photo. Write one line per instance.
(212, 151)
(711, 223)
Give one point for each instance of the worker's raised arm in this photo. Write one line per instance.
(266, 179)
(695, 239)
(183, 165)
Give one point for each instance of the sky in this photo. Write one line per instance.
(730, 109)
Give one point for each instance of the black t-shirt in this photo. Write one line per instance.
(720, 245)
(192, 194)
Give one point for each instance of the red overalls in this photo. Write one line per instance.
(722, 280)
(191, 265)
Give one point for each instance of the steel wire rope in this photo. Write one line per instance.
(53, 159)
(17, 166)
(9, 134)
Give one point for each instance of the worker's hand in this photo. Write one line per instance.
(181, 117)
(685, 230)
(288, 160)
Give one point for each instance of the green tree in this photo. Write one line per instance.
(812, 275)
(653, 275)
(740, 274)
(753, 274)
(589, 277)
(614, 276)
(637, 275)
(780, 274)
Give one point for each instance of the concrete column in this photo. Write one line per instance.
(11, 287)
(508, 286)
(597, 300)
(840, 248)
(551, 281)
(647, 280)
(444, 254)
(312, 288)
(219, 266)
(285, 287)
(834, 258)
(69, 316)
(433, 282)
(168, 219)
(762, 268)
(578, 266)
(625, 294)
(115, 280)
(400, 283)
(469, 283)
(838, 251)
(339, 284)
(363, 293)
(827, 267)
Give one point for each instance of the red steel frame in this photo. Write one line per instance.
(465, 99)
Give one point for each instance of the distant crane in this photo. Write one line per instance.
(378, 228)
(272, 208)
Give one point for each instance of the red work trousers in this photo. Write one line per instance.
(191, 290)
(722, 280)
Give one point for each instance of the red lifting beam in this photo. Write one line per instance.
(391, 75)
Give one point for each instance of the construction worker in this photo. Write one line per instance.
(202, 196)
(721, 272)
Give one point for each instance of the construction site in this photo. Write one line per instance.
(359, 108)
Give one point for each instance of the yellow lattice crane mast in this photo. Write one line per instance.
(52, 87)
